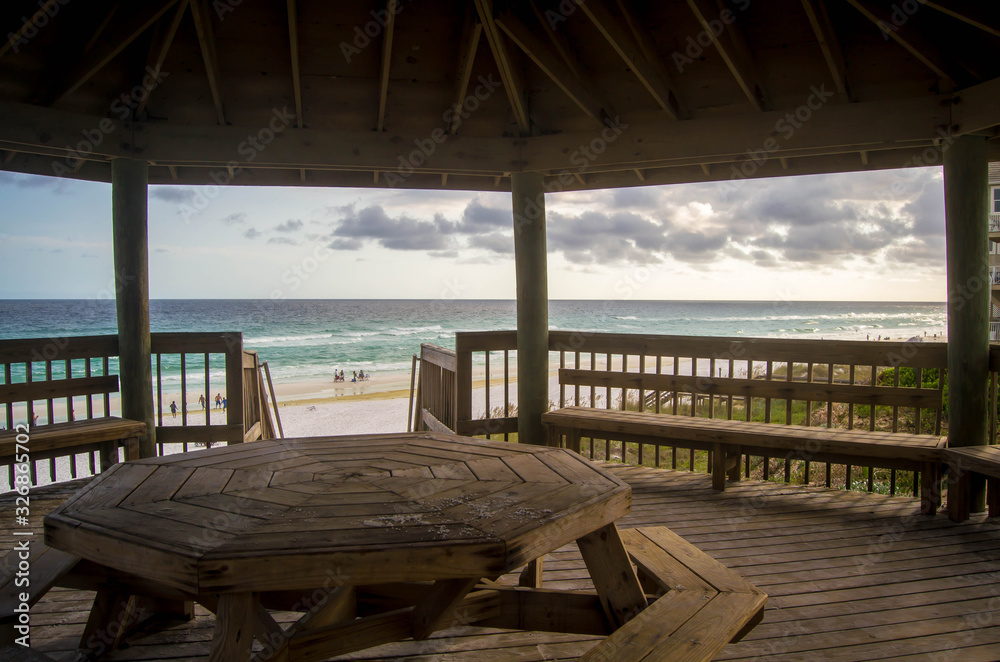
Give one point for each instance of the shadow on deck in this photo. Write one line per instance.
(851, 576)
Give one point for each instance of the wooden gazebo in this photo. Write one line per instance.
(533, 96)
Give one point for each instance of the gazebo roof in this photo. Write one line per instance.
(595, 94)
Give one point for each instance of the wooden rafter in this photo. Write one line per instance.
(509, 73)
(293, 41)
(641, 174)
(135, 24)
(967, 12)
(559, 42)
(833, 54)
(158, 55)
(206, 41)
(9, 156)
(472, 30)
(102, 26)
(549, 62)
(652, 75)
(173, 172)
(732, 46)
(383, 88)
(16, 36)
(915, 43)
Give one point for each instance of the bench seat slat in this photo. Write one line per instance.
(980, 459)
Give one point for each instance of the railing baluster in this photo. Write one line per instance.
(487, 391)
(576, 389)
(829, 404)
(850, 406)
(106, 364)
(208, 391)
(159, 391)
(506, 389)
(48, 402)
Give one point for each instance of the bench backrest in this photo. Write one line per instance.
(57, 379)
(895, 386)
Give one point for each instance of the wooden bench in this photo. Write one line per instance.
(728, 440)
(964, 464)
(73, 403)
(699, 604)
(101, 435)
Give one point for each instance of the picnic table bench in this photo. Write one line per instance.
(728, 440)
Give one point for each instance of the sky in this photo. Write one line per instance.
(869, 236)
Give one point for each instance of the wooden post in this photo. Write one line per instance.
(528, 197)
(131, 250)
(967, 227)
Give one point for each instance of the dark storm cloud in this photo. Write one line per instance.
(927, 211)
(346, 244)
(251, 233)
(291, 225)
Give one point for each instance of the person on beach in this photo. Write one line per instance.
(218, 400)
(173, 408)
(361, 375)
(355, 377)
(201, 401)
(223, 404)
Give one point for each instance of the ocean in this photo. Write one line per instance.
(304, 340)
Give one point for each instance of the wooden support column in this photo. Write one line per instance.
(528, 197)
(967, 227)
(128, 209)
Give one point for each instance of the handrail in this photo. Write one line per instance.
(77, 379)
(646, 371)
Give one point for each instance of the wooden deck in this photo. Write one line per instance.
(851, 576)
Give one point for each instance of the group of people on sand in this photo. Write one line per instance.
(220, 403)
(359, 376)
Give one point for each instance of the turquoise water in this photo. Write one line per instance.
(305, 339)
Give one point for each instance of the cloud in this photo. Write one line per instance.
(282, 240)
(606, 238)
(235, 218)
(181, 195)
(346, 244)
(495, 242)
(291, 225)
(54, 184)
(478, 218)
(251, 233)
(401, 233)
(161, 250)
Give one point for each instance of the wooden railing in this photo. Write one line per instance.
(199, 355)
(437, 390)
(86, 368)
(748, 379)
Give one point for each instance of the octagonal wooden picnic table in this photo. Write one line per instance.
(392, 536)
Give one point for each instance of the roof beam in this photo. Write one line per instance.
(652, 75)
(509, 74)
(975, 108)
(833, 54)
(968, 12)
(206, 41)
(293, 41)
(833, 129)
(142, 18)
(549, 62)
(733, 48)
(159, 53)
(383, 87)
(913, 42)
(472, 29)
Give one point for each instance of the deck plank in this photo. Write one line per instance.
(852, 576)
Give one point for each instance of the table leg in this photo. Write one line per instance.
(234, 626)
(531, 576)
(614, 578)
(111, 616)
